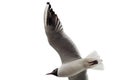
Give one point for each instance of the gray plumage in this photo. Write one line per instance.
(60, 41)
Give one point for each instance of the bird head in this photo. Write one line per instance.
(54, 72)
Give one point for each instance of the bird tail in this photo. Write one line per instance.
(95, 60)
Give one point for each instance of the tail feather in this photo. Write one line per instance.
(94, 56)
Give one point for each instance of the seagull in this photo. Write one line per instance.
(73, 65)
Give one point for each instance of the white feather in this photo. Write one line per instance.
(94, 56)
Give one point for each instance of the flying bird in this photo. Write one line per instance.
(73, 66)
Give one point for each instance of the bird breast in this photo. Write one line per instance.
(71, 68)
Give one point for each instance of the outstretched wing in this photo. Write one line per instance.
(57, 38)
(60, 41)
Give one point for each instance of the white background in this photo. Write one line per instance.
(25, 53)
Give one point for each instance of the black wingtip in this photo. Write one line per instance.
(48, 3)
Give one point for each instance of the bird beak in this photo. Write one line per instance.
(48, 73)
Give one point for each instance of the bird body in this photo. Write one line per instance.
(73, 66)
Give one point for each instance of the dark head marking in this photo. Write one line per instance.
(54, 72)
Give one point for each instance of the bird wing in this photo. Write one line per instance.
(60, 41)
(57, 38)
(80, 76)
